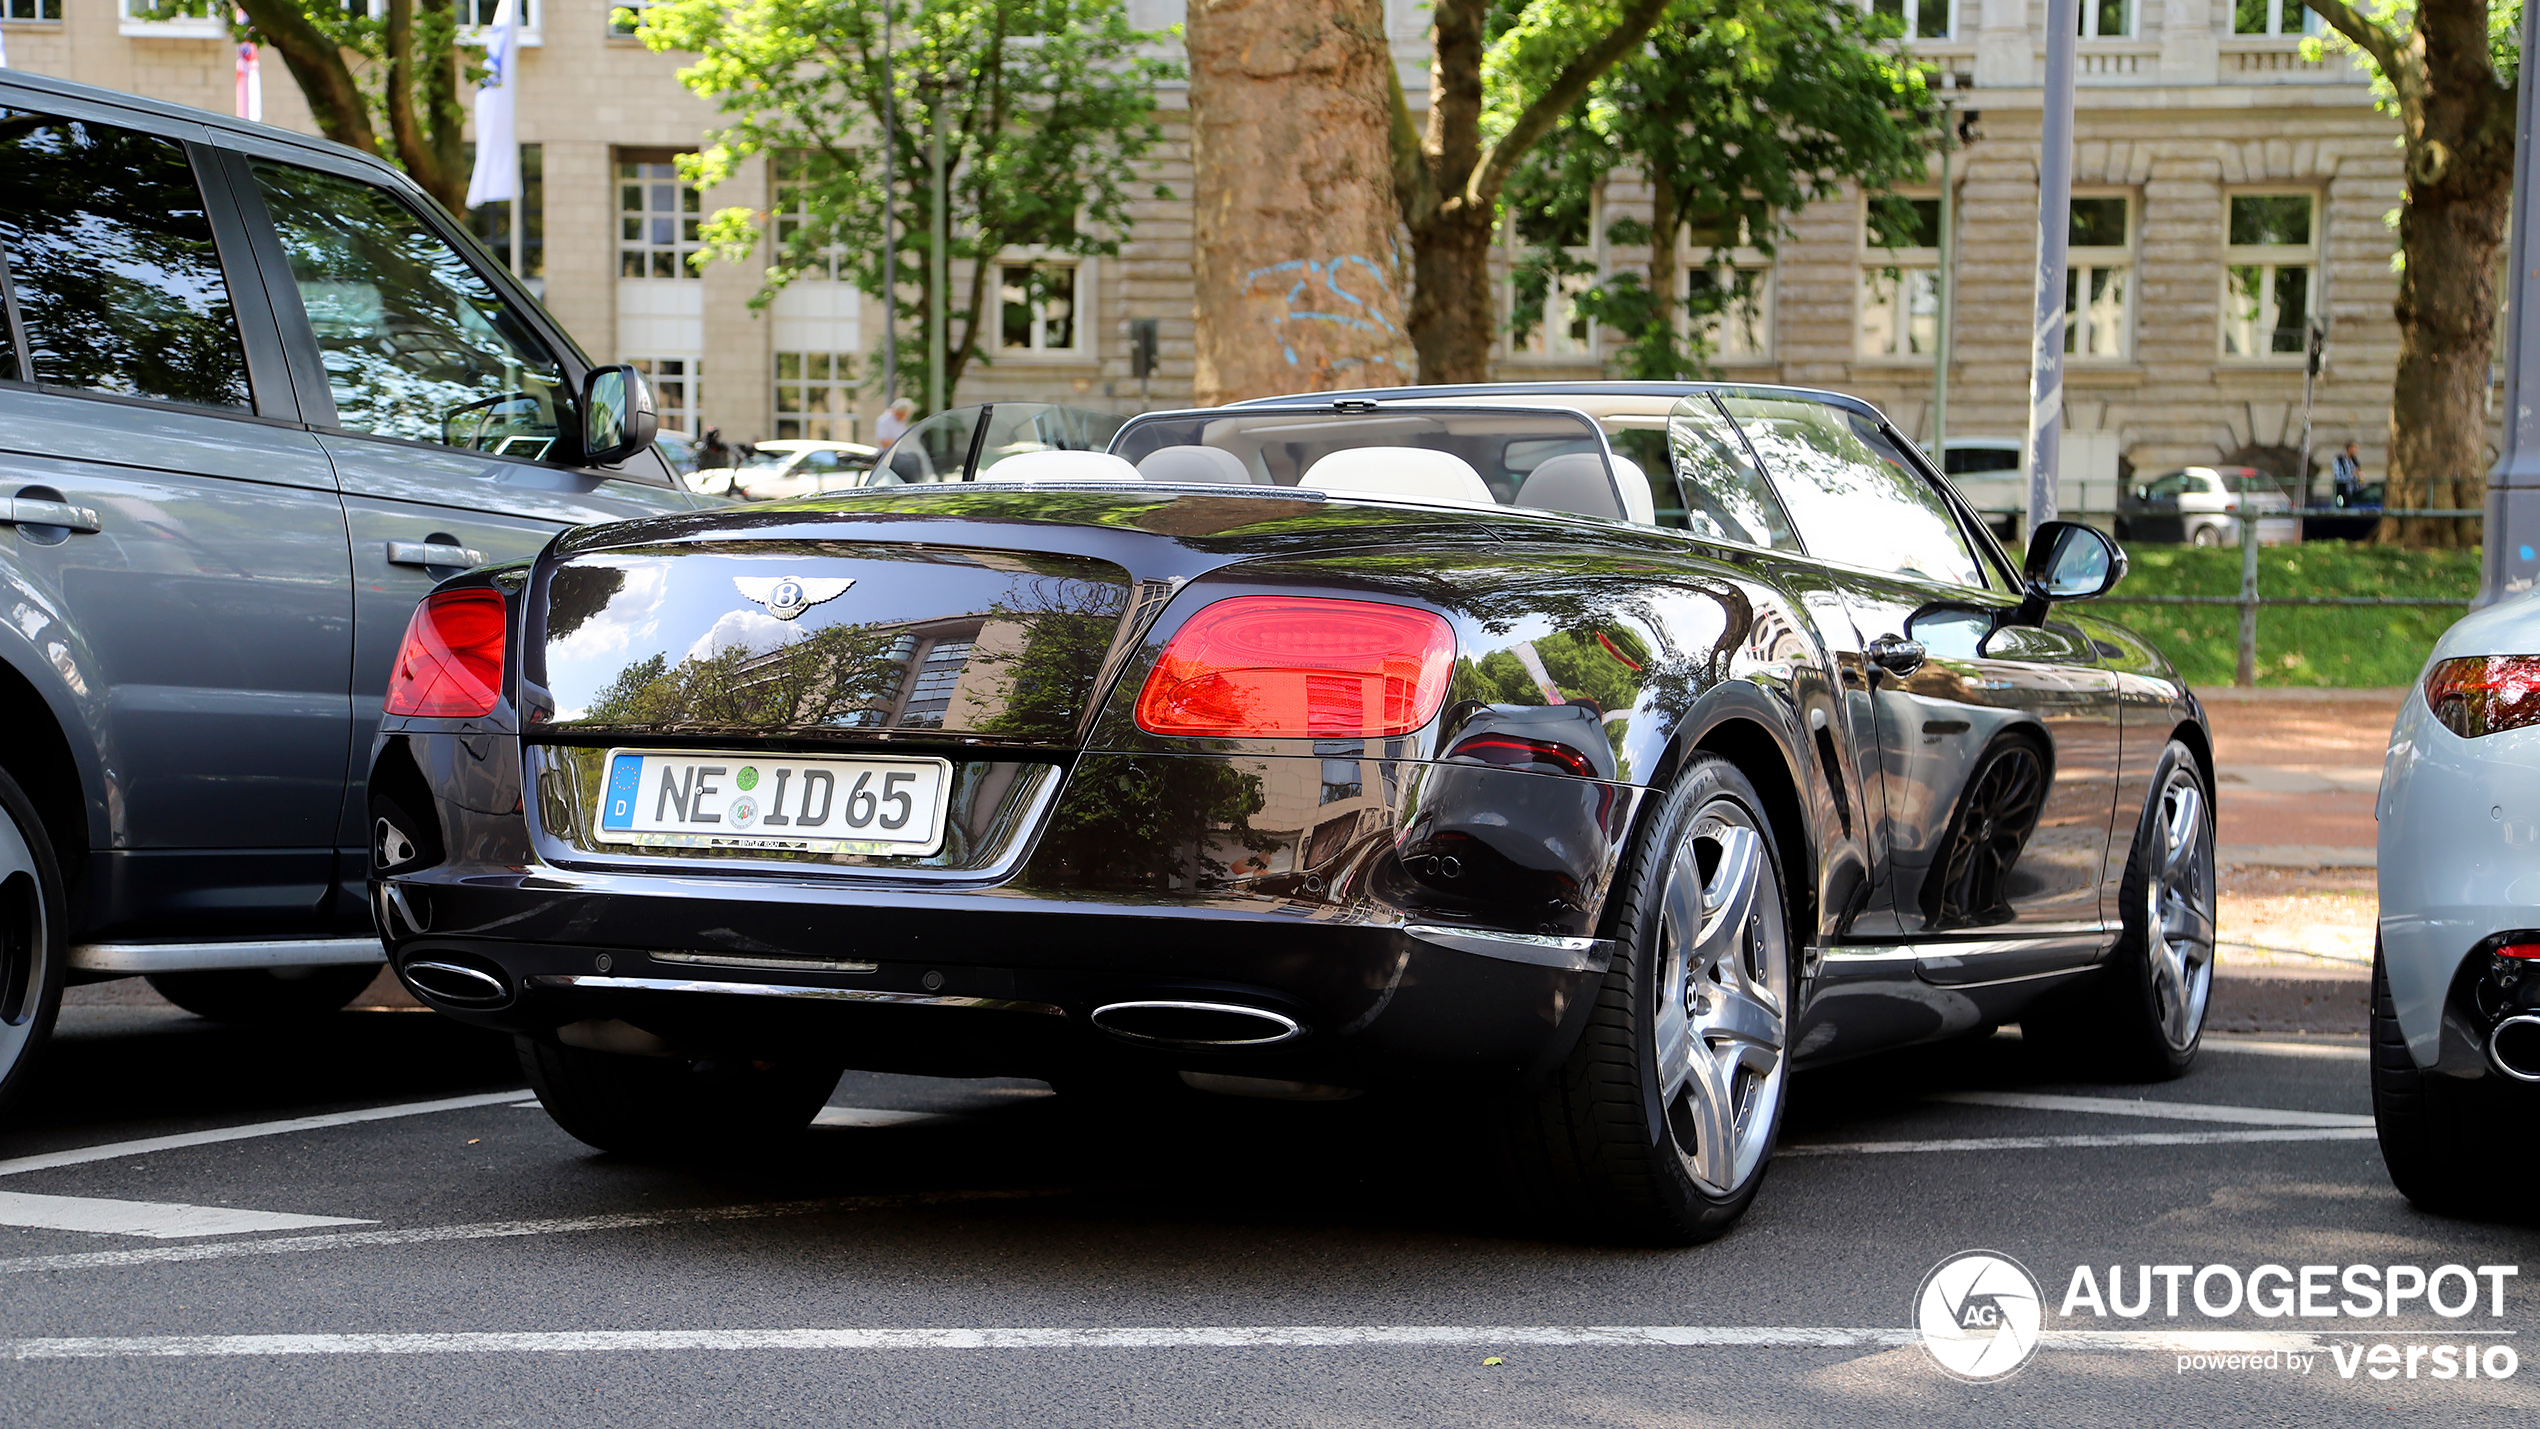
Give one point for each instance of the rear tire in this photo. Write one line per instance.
(34, 940)
(673, 1108)
(2438, 1134)
(2142, 1018)
(1660, 1126)
(2206, 537)
(265, 997)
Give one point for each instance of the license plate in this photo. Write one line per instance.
(704, 799)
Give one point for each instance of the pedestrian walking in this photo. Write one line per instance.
(894, 420)
(714, 451)
(2346, 476)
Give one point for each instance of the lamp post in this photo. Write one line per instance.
(2054, 219)
(1945, 286)
(890, 216)
(938, 269)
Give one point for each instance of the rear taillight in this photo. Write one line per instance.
(452, 662)
(2485, 694)
(1507, 752)
(1299, 667)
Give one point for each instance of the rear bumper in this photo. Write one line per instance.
(1420, 921)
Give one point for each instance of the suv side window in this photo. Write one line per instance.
(1851, 504)
(415, 342)
(110, 261)
(2167, 488)
(1725, 497)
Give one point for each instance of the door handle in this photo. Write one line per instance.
(433, 553)
(1896, 655)
(30, 511)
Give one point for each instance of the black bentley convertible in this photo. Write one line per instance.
(1602, 753)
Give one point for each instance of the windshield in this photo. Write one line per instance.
(2258, 481)
(1546, 459)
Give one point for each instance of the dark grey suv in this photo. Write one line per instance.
(257, 395)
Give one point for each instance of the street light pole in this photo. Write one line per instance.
(2054, 219)
(2510, 560)
(890, 216)
(1945, 286)
(938, 269)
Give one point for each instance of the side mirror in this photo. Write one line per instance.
(2068, 561)
(617, 415)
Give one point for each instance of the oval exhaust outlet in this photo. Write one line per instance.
(456, 984)
(2515, 1047)
(1197, 1024)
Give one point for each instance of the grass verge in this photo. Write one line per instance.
(2316, 646)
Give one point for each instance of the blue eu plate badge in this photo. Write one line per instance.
(626, 774)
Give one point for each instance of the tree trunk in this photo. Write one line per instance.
(1298, 267)
(1664, 283)
(2447, 335)
(1453, 320)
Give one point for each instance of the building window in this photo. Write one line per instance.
(2270, 273)
(2099, 278)
(793, 176)
(1740, 327)
(31, 10)
(1922, 19)
(657, 216)
(522, 247)
(164, 19)
(1900, 279)
(1036, 308)
(674, 383)
(815, 396)
(2109, 19)
(2273, 17)
(1562, 330)
(930, 694)
(626, 16)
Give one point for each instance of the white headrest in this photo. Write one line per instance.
(1399, 471)
(1060, 466)
(1637, 502)
(1213, 466)
(1575, 482)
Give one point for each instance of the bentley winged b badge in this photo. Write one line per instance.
(788, 596)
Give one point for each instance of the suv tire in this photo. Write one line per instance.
(34, 940)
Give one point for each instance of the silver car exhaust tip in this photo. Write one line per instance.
(456, 984)
(1197, 1024)
(2514, 1047)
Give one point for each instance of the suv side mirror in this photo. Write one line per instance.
(617, 415)
(2068, 561)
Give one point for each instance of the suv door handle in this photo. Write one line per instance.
(27, 511)
(1895, 654)
(433, 553)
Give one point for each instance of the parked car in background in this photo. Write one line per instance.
(258, 395)
(1992, 473)
(1348, 741)
(2456, 969)
(2202, 506)
(2358, 515)
(784, 469)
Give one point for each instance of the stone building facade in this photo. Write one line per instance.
(2229, 193)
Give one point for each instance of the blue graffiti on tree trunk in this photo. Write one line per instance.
(1309, 299)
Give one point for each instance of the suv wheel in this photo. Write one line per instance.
(34, 939)
(1660, 1126)
(674, 1107)
(2439, 1134)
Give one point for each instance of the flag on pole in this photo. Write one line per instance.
(251, 80)
(496, 178)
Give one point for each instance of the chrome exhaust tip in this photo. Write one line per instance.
(1197, 1024)
(455, 983)
(2514, 1047)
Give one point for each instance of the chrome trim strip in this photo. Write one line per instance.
(1289, 1028)
(782, 965)
(209, 957)
(588, 983)
(1540, 950)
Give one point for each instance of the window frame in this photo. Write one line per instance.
(1742, 260)
(1910, 12)
(1904, 262)
(844, 387)
(2271, 256)
(1084, 349)
(2276, 10)
(680, 247)
(692, 378)
(1538, 346)
(2088, 18)
(2079, 258)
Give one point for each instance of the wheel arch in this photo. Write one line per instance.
(1741, 723)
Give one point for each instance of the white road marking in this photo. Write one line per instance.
(1228, 1337)
(2343, 1051)
(159, 1220)
(81, 1156)
(2040, 1143)
(2166, 1111)
(876, 1116)
(497, 1230)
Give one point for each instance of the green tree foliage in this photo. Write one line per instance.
(1046, 107)
(1737, 113)
(400, 70)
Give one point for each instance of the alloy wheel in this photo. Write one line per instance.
(22, 943)
(2179, 928)
(1723, 998)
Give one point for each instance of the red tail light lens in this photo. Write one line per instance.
(1298, 667)
(2485, 694)
(452, 662)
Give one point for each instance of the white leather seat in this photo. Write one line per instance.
(1209, 466)
(1399, 471)
(1638, 504)
(1061, 466)
(1575, 482)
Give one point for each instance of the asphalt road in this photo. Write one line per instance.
(195, 1229)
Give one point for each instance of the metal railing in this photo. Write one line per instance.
(2249, 602)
